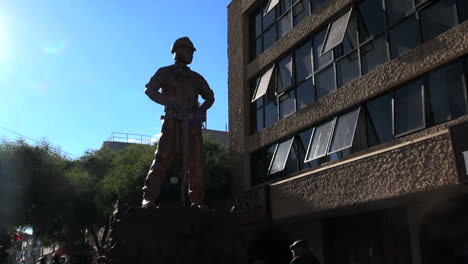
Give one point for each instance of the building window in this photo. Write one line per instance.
(371, 19)
(325, 81)
(398, 9)
(319, 141)
(408, 105)
(437, 18)
(336, 32)
(305, 94)
(271, 5)
(333, 136)
(263, 84)
(284, 75)
(436, 97)
(280, 156)
(447, 93)
(404, 36)
(303, 62)
(463, 10)
(373, 54)
(379, 111)
(344, 131)
(321, 60)
(275, 19)
(355, 43)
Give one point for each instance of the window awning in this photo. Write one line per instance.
(333, 136)
(336, 32)
(262, 84)
(278, 162)
(270, 6)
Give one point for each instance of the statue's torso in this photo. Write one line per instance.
(181, 86)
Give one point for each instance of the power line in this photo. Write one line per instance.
(38, 142)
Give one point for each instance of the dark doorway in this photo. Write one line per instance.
(444, 233)
(378, 237)
(270, 247)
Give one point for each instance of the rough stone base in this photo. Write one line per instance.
(174, 235)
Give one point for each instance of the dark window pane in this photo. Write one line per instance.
(371, 19)
(271, 114)
(397, 9)
(447, 94)
(437, 19)
(258, 167)
(269, 38)
(344, 131)
(325, 82)
(420, 1)
(258, 46)
(347, 69)
(284, 25)
(259, 119)
(316, 4)
(319, 144)
(259, 102)
(409, 108)
(281, 154)
(285, 74)
(373, 54)
(285, 5)
(463, 10)
(258, 24)
(292, 161)
(371, 133)
(303, 144)
(404, 37)
(287, 106)
(336, 32)
(305, 94)
(301, 11)
(380, 114)
(321, 60)
(303, 61)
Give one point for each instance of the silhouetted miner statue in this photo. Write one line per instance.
(177, 88)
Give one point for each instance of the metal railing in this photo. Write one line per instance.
(132, 138)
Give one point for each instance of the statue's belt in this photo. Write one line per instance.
(193, 116)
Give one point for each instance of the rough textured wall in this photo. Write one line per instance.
(444, 48)
(421, 166)
(238, 117)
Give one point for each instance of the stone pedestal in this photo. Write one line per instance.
(175, 235)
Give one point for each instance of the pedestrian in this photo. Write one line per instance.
(302, 254)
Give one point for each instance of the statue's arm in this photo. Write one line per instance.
(152, 89)
(207, 94)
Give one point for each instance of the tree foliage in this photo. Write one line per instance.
(67, 200)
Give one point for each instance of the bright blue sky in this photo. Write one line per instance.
(73, 72)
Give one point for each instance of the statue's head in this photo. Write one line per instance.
(183, 50)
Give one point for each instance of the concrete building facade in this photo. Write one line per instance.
(349, 119)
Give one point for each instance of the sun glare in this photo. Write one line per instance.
(3, 37)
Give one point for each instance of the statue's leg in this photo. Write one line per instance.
(162, 160)
(196, 165)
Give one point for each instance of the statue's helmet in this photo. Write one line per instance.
(182, 42)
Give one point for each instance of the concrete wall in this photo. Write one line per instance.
(419, 165)
(237, 94)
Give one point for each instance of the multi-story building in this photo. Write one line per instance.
(348, 127)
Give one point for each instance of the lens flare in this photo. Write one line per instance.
(55, 48)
